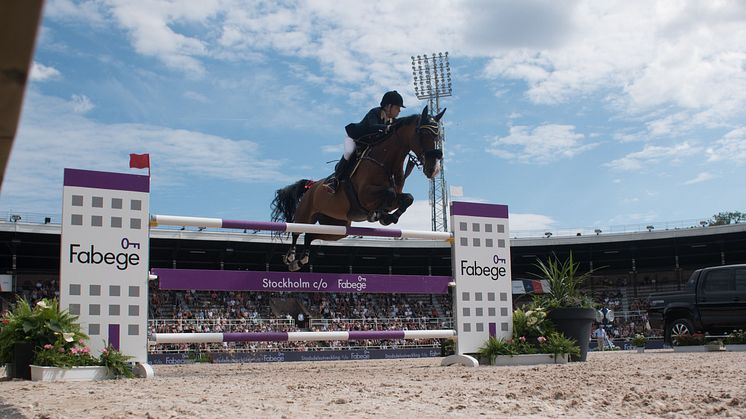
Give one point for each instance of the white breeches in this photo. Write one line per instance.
(349, 147)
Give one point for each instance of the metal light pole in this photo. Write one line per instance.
(432, 80)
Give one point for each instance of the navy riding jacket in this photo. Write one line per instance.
(372, 123)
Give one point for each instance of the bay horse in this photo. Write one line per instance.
(374, 190)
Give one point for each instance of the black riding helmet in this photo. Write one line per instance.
(392, 98)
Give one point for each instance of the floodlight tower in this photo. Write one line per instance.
(432, 81)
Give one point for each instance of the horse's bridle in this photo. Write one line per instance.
(437, 153)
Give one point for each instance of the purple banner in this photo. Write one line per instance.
(209, 280)
(106, 180)
(477, 209)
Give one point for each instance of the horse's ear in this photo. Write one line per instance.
(440, 115)
(423, 117)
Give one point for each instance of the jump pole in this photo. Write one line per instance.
(175, 220)
(108, 212)
(163, 338)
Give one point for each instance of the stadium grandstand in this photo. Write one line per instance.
(627, 268)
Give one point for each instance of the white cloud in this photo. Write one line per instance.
(543, 144)
(651, 156)
(419, 217)
(41, 72)
(702, 177)
(644, 55)
(69, 139)
(731, 147)
(197, 97)
(81, 103)
(525, 222)
(332, 149)
(91, 11)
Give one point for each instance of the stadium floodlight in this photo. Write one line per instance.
(15, 218)
(650, 228)
(597, 231)
(432, 81)
(703, 223)
(548, 234)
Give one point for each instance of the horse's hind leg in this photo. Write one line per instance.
(289, 257)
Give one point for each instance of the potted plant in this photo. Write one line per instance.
(697, 342)
(554, 348)
(25, 328)
(53, 347)
(736, 340)
(638, 341)
(571, 311)
(533, 341)
(72, 361)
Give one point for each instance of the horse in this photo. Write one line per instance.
(373, 191)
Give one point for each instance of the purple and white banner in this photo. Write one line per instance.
(207, 280)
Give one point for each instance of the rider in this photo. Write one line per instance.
(377, 120)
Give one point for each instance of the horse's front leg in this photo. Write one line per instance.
(405, 201)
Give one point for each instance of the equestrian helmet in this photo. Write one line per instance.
(392, 98)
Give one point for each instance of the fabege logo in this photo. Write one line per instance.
(471, 268)
(91, 256)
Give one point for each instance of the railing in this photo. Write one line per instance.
(382, 323)
(245, 347)
(163, 325)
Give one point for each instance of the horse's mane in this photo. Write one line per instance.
(407, 120)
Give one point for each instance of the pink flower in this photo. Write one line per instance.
(522, 339)
(85, 350)
(62, 350)
(541, 340)
(73, 350)
(81, 341)
(48, 346)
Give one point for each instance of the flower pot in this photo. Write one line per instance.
(739, 347)
(574, 323)
(529, 359)
(714, 347)
(39, 373)
(23, 355)
(693, 348)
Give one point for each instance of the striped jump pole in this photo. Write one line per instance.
(164, 338)
(175, 220)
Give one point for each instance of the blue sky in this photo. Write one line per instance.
(576, 114)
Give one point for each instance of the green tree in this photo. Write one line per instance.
(727, 217)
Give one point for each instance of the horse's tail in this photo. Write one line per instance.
(287, 199)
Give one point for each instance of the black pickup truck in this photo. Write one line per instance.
(713, 301)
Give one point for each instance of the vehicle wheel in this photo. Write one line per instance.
(678, 327)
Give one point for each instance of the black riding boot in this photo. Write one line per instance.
(340, 172)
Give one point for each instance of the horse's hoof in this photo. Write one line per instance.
(304, 260)
(289, 258)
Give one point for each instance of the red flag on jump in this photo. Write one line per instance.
(140, 161)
